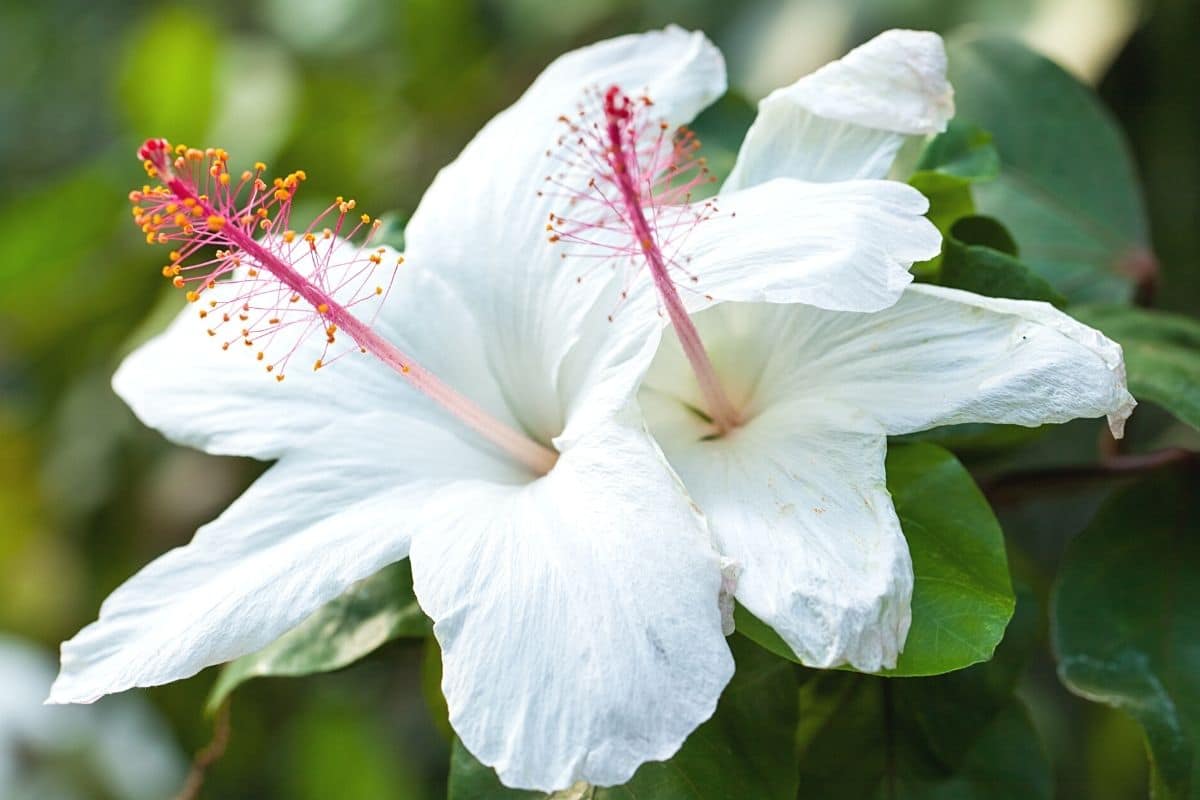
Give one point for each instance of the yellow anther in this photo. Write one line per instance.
(260, 166)
(282, 194)
(317, 365)
(289, 236)
(192, 297)
(323, 308)
(378, 290)
(374, 258)
(215, 222)
(178, 282)
(365, 218)
(181, 219)
(224, 179)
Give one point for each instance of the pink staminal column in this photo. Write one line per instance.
(199, 205)
(637, 205)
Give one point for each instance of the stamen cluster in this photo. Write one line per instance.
(628, 182)
(258, 281)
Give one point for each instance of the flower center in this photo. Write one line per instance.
(636, 209)
(284, 286)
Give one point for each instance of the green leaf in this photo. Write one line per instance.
(962, 595)
(722, 127)
(1067, 187)
(1162, 355)
(1126, 620)
(372, 612)
(961, 736)
(949, 164)
(978, 256)
(746, 750)
(949, 198)
(963, 150)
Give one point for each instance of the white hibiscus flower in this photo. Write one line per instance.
(573, 586)
(776, 416)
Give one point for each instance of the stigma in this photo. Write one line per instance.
(256, 280)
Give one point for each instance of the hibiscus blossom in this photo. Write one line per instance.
(776, 416)
(573, 586)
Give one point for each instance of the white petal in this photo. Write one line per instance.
(182, 383)
(325, 516)
(848, 119)
(481, 223)
(797, 497)
(942, 356)
(843, 246)
(578, 616)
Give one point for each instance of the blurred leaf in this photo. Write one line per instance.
(978, 256)
(721, 128)
(167, 81)
(431, 688)
(1126, 620)
(1162, 354)
(372, 612)
(950, 163)
(1067, 187)
(745, 750)
(962, 595)
(961, 736)
(340, 752)
(949, 198)
(963, 150)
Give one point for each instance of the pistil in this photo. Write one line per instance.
(218, 227)
(618, 116)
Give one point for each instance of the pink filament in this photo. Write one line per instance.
(533, 455)
(624, 163)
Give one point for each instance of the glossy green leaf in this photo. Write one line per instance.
(978, 256)
(962, 595)
(1162, 355)
(746, 750)
(372, 612)
(1066, 187)
(961, 736)
(1126, 620)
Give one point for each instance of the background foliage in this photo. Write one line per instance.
(370, 97)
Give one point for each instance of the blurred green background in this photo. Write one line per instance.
(371, 98)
